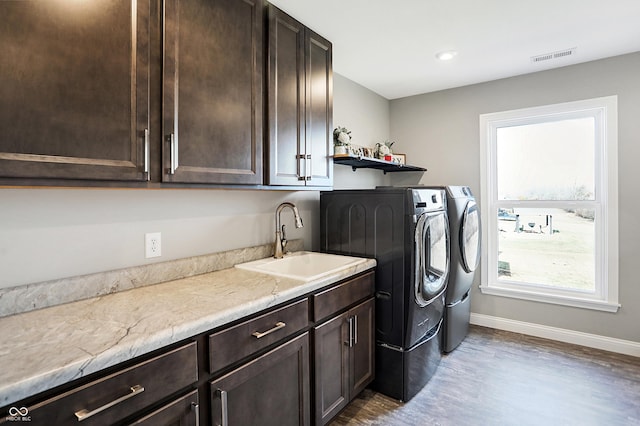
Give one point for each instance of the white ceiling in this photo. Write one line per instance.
(389, 46)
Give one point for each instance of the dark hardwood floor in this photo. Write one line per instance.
(501, 378)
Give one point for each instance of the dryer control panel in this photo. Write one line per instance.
(426, 200)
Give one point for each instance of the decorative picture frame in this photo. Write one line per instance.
(354, 150)
(399, 159)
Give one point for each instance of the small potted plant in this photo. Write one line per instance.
(341, 140)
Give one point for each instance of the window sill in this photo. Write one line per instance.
(576, 302)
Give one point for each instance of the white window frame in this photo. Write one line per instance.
(604, 110)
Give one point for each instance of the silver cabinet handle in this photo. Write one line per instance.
(196, 409)
(85, 414)
(350, 341)
(146, 153)
(302, 163)
(173, 142)
(306, 160)
(278, 326)
(223, 405)
(355, 330)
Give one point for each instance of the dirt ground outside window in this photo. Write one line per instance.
(532, 254)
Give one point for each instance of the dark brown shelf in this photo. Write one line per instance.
(374, 163)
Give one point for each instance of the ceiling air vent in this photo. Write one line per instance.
(553, 55)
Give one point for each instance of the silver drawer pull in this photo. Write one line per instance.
(146, 153)
(355, 329)
(278, 326)
(85, 414)
(350, 341)
(173, 152)
(196, 409)
(224, 407)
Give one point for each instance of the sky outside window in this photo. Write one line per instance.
(547, 161)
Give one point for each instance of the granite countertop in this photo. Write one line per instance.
(52, 346)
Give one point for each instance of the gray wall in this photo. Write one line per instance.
(366, 114)
(440, 131)
(47, 234)
(55, 233)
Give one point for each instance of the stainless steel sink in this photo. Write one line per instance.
(302, 265)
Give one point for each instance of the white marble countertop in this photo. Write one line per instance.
(49, 347)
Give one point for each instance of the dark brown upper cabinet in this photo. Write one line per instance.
(300, 104)
(74, 89)
(141, 93)
(212, 91)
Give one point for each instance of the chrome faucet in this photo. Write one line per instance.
(281, 240)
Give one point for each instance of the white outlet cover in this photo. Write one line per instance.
(152, 245)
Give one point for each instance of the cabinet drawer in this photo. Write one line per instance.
(342, 296)
(233, 344)
(123, 393)
(182, 411)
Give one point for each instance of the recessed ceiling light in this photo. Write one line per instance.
(446, 55)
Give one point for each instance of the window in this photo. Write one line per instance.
(549, 203)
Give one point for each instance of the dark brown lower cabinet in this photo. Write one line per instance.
(183, 411)
(271, 390)
(361, 352)
(256, 371)
(122, 394)
(344, 360)
(331, 368)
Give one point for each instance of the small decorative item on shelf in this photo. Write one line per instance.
(341, 140)
(355, 150)
(367, 152)
(399, 159)
(383, 150)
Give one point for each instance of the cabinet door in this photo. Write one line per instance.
(363, 349)
(319, 110)
(212, 96)
(331, 350)
(344, 361)
(286, 94)
(180, 412)
(74, 99)
(272, 390)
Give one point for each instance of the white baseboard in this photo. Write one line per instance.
(626, 347)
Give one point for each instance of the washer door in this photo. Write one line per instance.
(431, 256)
(470, 237)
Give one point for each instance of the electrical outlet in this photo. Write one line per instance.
(152, 245)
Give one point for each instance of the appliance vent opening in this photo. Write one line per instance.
(553, 55)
